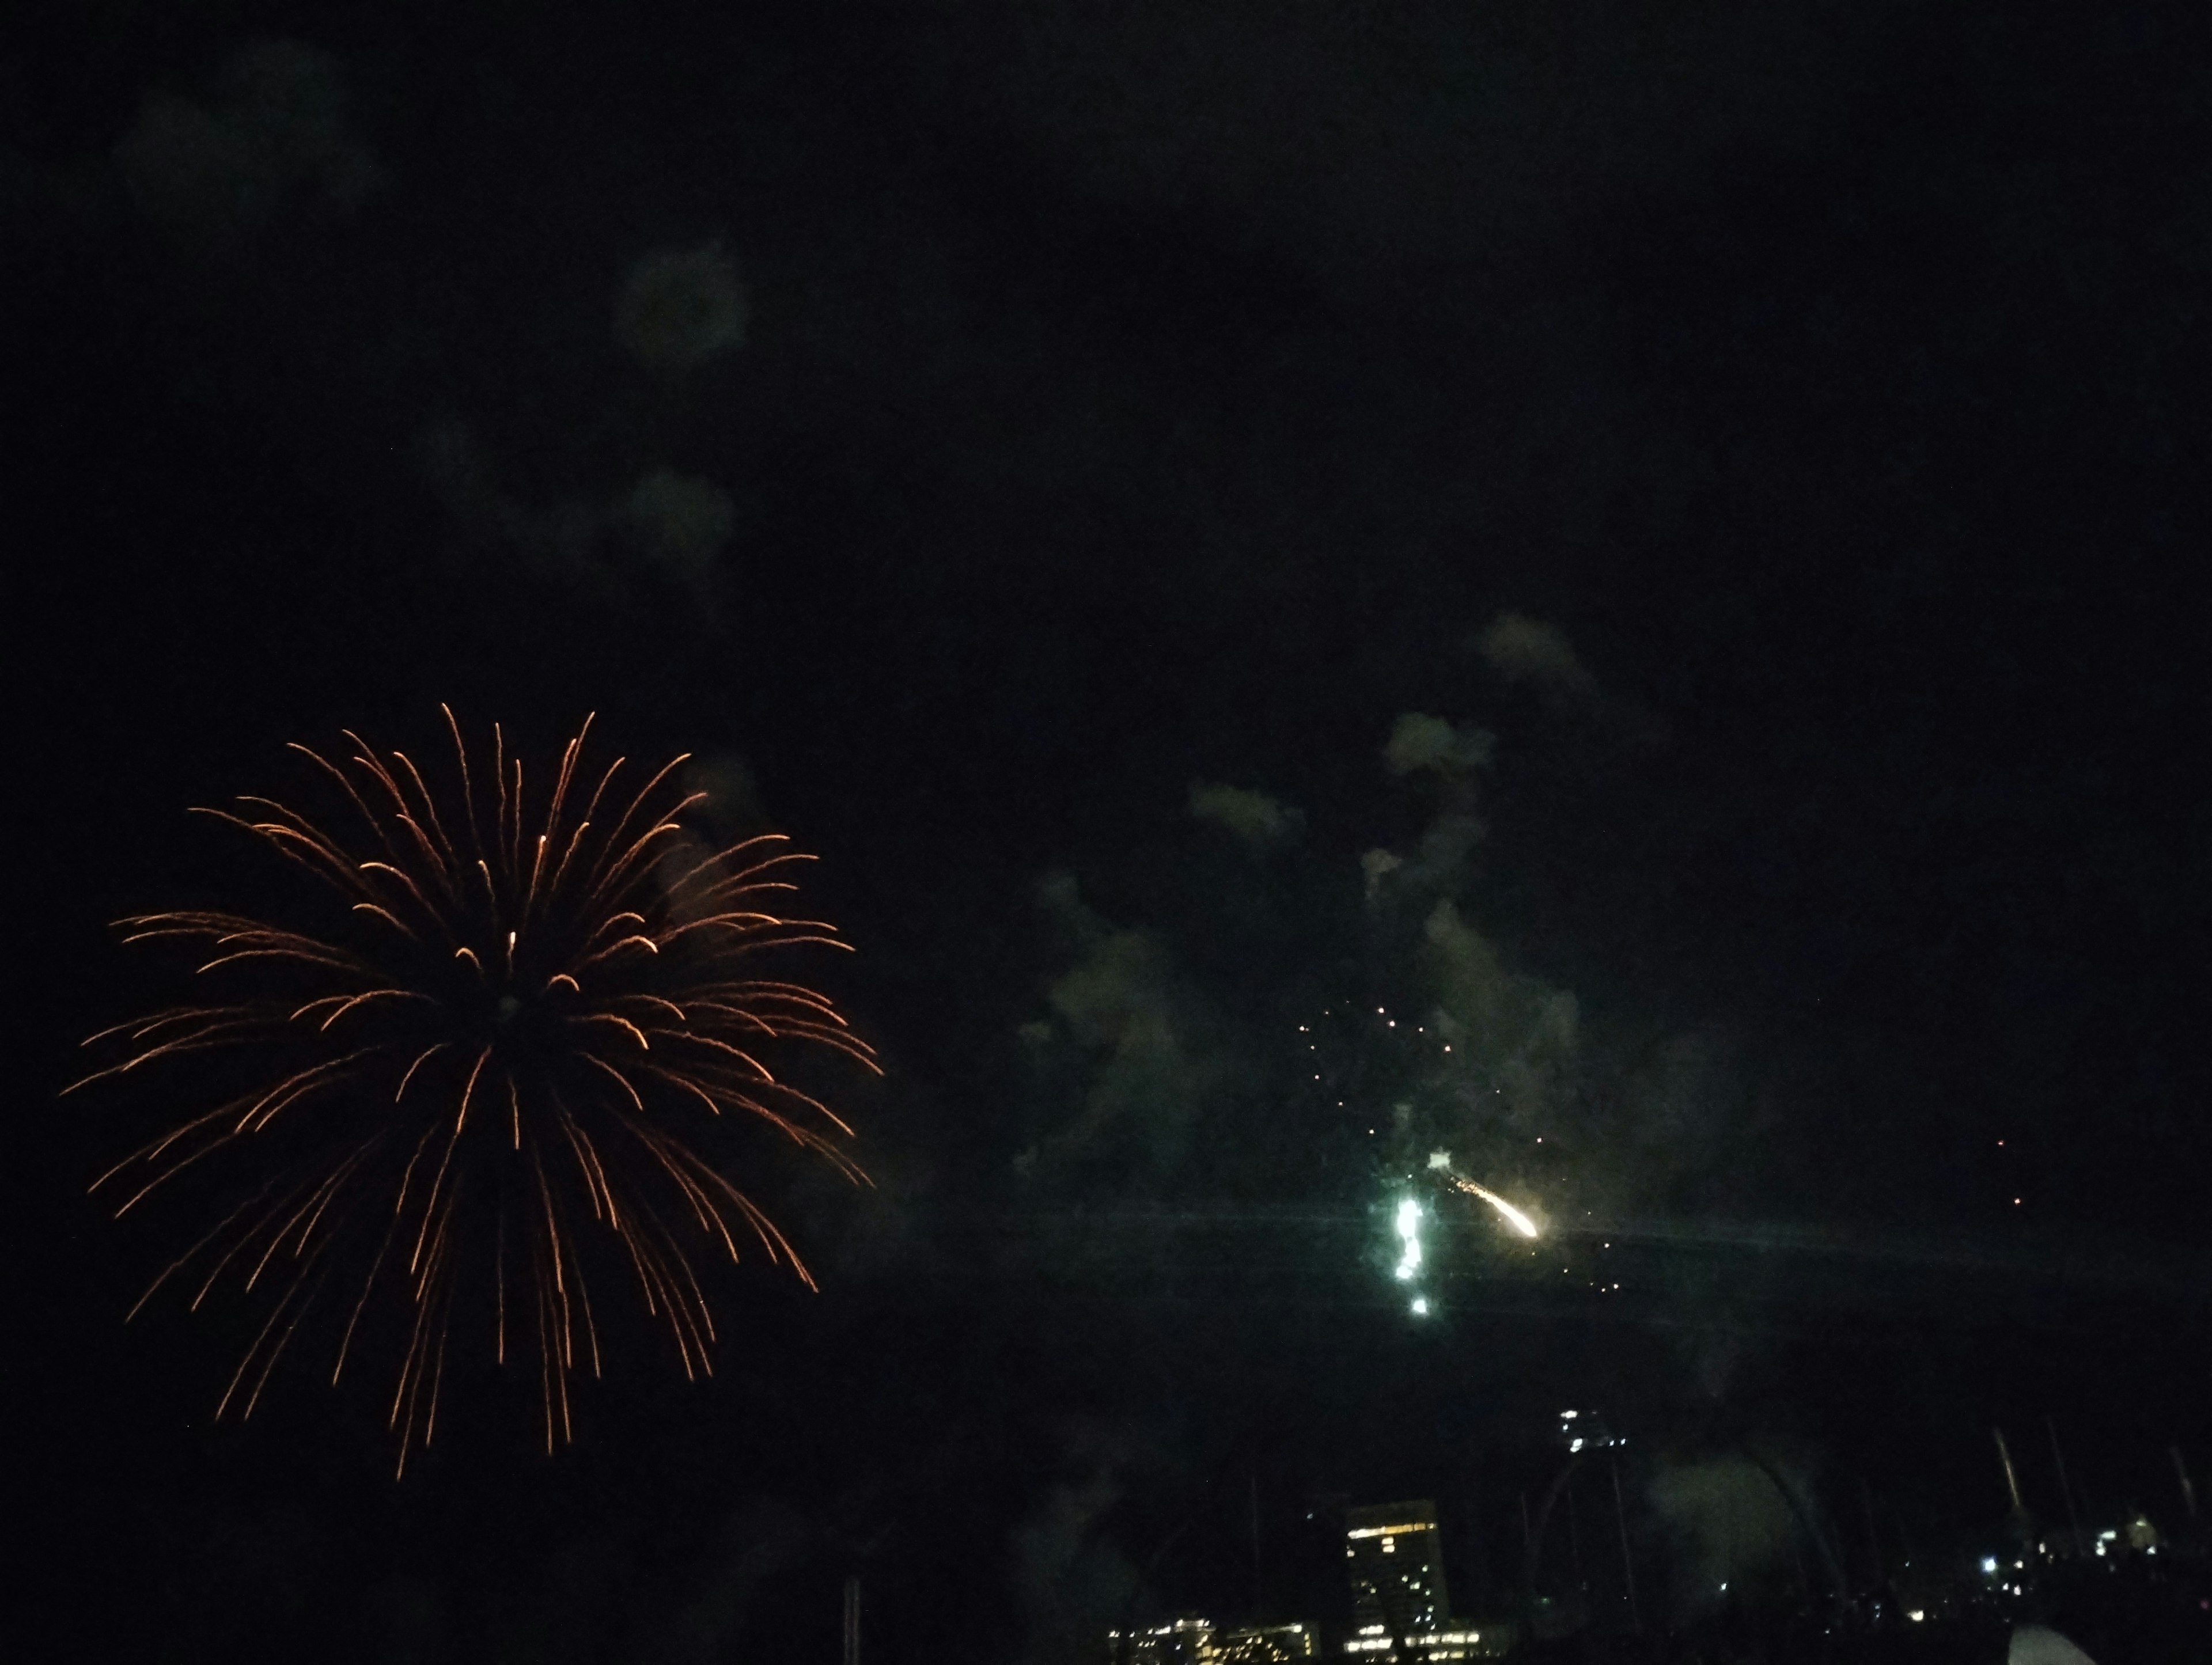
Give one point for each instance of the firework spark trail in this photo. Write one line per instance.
(591, 978)
(1512, 1216)
(1440, 1163)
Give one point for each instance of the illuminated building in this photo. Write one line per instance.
(1265, 1644)
(1193, 1641)
(1185, 1641)
(1396, 1560)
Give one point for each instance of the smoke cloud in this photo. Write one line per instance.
(680, 523)
(679, 307)
(1511, 1033)
(1072, 1584)
(1421, 742)
(1122, 1017)
(1253, 818)
(756, 1543)
(669, 528)
(273, 132)
(1731, 1523)
(1521, 649)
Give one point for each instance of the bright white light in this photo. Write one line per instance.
(1989, 1564)
(1409, 1233)
(1420, 1306)
(1915, 1615)
(1440, 1161)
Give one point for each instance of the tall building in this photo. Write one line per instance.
(1397, 1558)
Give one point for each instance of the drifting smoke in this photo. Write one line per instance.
(669, 528)
(1421, 742)
(733, 807)
(755, 1545)
(679, 307)
(1512, 1032)
(1731, 1526)
(1521, 649)
(564, 541)
(1072, 1583)
(730, 811)
(680, 524)
(1529, 653)
(1253, 818)
(273, 132)
(1123, 1020)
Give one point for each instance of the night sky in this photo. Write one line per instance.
(1659, 542)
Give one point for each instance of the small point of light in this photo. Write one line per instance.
(1989, 1564)
(1915, 1615)
(1420, 1306)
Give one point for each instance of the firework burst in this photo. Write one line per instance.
(497, 1057)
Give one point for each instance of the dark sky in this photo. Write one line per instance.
(1780, 430)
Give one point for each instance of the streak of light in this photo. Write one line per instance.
(1506, 1212)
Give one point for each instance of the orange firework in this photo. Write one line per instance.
(504, 1043)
